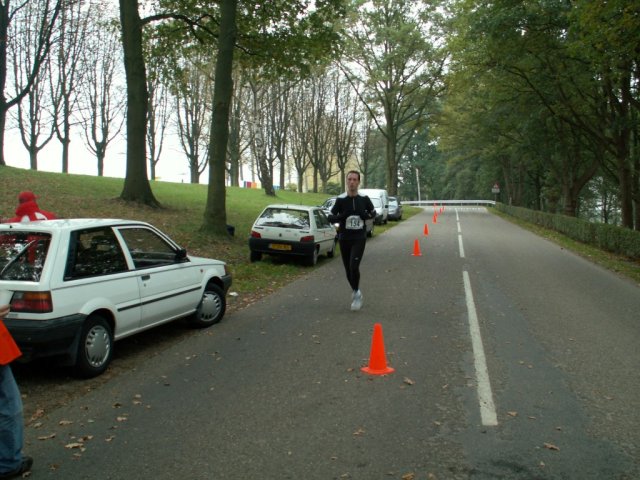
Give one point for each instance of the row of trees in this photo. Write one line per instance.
(446, 97)
(544, 96)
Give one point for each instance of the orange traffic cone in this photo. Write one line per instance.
(416, 249)
(377, 358)
(426, 230)
(435, 218)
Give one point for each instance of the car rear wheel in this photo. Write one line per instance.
(331, 252)
(211, 308)
(313, 258)
(255, 256)
(95, 348)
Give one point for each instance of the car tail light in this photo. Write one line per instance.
(308, 238)
(255, 234)
(33, 302)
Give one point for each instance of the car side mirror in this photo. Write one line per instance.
(181, 255)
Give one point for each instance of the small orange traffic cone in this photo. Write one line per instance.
(416, 248)
(435, 218)
(426, 230)
(377, 357)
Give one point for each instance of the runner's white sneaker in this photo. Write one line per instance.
(357, 300)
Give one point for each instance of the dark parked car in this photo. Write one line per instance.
(395, 209)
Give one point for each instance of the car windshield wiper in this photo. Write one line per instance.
(272, 224)
(16, 258)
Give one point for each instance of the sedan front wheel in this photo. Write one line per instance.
(211, 308)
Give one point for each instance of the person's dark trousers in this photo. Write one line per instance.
(352, 251)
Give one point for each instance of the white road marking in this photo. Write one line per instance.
(485, 395)
(461, 246)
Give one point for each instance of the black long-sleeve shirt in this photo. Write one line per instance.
(351, 213)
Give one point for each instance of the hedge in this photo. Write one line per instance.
(618, 240)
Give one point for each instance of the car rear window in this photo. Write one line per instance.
(94, 252)
(284, 218)
(22, 255)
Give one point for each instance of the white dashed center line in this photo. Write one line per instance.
(485, 395)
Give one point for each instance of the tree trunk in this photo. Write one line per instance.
(636, 179)
(136, 182)
(234, 148)
(266, 177)
(215, 215)
(392, 162)
(623, 149)
(3, 122)
(4, 107)
(100, 154)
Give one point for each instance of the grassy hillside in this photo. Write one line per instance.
(181, 217)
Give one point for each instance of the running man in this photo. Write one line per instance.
(350, 211)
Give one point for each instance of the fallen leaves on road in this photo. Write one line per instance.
(37, 414)
(79, 444)
(75, 445)
(551, 446)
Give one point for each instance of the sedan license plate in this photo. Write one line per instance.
(279, 246)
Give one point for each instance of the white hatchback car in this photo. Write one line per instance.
(292, 230)
(80, 284)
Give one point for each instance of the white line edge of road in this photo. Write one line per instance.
(485, 394)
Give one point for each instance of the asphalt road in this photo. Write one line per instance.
(276, 391)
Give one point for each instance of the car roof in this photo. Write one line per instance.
(288, 206)
(67, 224)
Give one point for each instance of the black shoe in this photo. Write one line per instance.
(24, 467)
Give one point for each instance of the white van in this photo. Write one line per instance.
(382, 195)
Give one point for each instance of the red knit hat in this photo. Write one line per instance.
(26, 197)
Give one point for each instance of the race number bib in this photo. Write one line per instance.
(354, 222)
